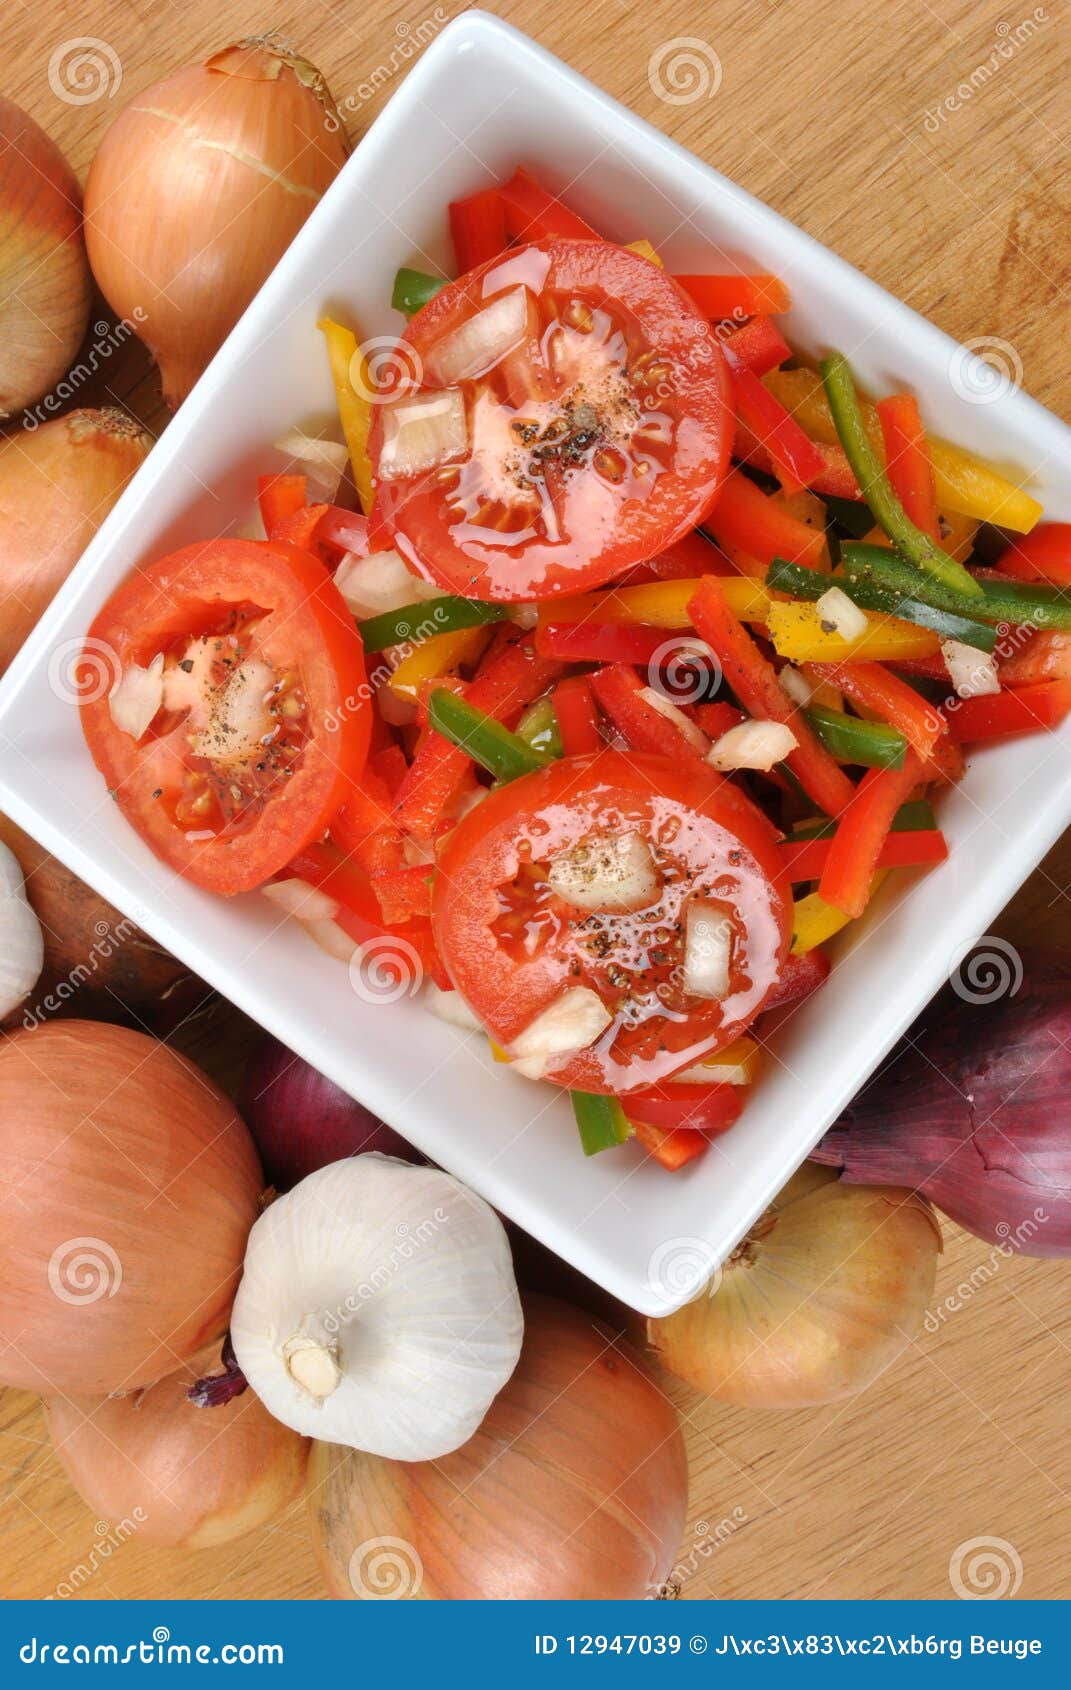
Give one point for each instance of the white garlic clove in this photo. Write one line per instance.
(378, 1308)
(22, 945)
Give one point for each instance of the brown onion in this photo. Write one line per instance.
(128, 1185)
(45, 286)
(186, 1476)
(197, 190)
(57, 484)
(574, 1486)
(98, 962)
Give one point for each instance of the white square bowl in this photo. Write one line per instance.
(481, 99)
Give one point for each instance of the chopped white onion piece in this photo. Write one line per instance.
(753, 745)
(331, 938)
(672, 712)
(421, 431)
(481, 341)
(136, 696)
(382, 581)
(708, 950)
(973, 672)
(840, 616)
(524, 615)
(322, 461)
(606, 871)
(570, 1023)
(796, 686)
(451, 1007)
(714, 1074)
(300, 900)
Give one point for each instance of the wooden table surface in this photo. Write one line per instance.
(837, 115)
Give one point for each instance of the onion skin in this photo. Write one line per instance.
(972, 1108)
(197, 190)
(117, 1150)
(97, 962)
(45, 285)
(57, 484)
(301, 1121)
(575, 1486)
(828, 1288)
(190, 1477)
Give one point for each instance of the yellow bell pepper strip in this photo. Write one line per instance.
(354, 402)
(965, 486)
(736, 1065)
(798, 634)
(869, 469)
(911, 600)
(657, 604)
(435, 657)
(645, 250)
(814, 921)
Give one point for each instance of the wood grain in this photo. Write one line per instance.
(837, 118)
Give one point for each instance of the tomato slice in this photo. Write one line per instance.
(560, 414)
(512, 945)
(264, 715)
(705, 1109)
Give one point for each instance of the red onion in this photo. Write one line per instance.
(302, 1121)
(971, 1109)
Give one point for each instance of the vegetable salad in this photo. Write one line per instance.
(646, 657)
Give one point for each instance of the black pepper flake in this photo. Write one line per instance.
(186, 665)
(159, 792)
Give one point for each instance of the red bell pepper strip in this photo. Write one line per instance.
(337, 873)
(721, 297)
(1045, 656)
(907, 461)
(279, 496)
(413, 954)
(806, 859)
(600, 642)
(689, 556)
(365, 828)
(876, 688)
(699, 1108)
(390, 765)
(754, 682)
(796, 459)
(803, 973)
(478, 228)
(512, 676)
(578, 719)
(744, 519)
(1042, 555)
(618, 690)
(717, 716)
(1000, 714)
(533, 215)
(404, 894)
(758, 346)
(855, 849)
(301, 528)
(673, 1148)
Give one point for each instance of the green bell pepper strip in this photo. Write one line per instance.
(413, 289)
(538, 727)
(876, 487)
(875, 745)
(425, 619)
(600, 1121)
(914, 817)
(1017, 602)
(784, 577)
(504, 754)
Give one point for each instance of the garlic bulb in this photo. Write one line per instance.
(378, 1308)
(831, 1283)
(22, 945)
